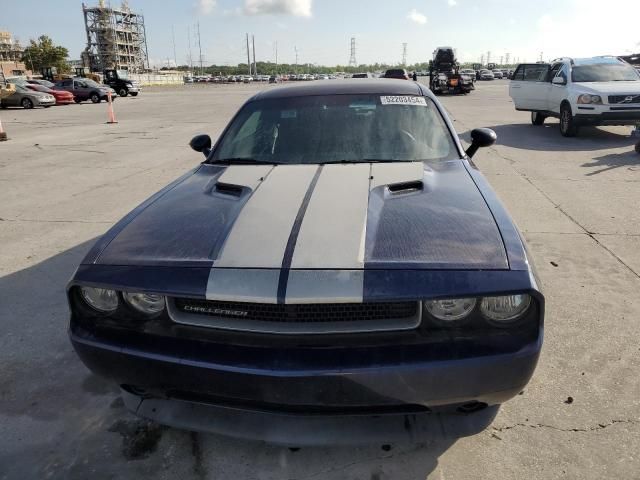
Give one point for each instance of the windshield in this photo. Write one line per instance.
(90, 83)
(336, 128)
(616, 72)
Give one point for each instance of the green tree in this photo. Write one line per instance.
(43, 53)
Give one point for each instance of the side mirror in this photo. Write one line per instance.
(559, 81)
(480, 138)
(202, 144)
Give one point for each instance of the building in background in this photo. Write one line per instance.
(116, 39)
(11, 64)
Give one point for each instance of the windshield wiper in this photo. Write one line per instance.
(242, 161)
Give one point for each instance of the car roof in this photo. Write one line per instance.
(346, 87)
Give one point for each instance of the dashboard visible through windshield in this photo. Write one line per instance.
(337, 128)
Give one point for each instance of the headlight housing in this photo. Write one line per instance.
(504, 309)
(104, 300)
(147, 303)
(588, 99)
(450, 310)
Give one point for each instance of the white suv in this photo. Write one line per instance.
(586, 91)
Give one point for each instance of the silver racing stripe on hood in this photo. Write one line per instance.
(301, 237)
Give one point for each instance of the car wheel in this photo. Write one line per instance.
(537, 118)
(95, 98)
(77, 100)
(26, 103)
(123, 92)
(134, 94)
(568, 126)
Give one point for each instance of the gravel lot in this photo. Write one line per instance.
(66, 176)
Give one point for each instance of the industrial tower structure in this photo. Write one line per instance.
(352, 58)
(116, 38)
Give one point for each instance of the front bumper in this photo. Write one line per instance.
(206, 387)
(607, 115)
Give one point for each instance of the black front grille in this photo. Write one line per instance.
(622, 99)
(299, 313)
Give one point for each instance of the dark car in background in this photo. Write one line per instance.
(397, 73)
(84, 89)
(335, 259)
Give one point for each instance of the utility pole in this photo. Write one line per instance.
(507, 58)
(488, 58)
(404, 54)
(175, 56)
(248, 55)
(255, 65)
(352, 57)
(501, 60)
(190, 56)
(200, 49)
(296, 49)
(541, 56)
(482, 60)
(276, 58)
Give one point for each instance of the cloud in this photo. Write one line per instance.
(452, 3)
(297, 8)
(205, 7)
(417, 17)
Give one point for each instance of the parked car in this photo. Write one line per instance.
(497, 74)
(399, 73)
(361, 75)
(486, 75)
(44, 83)
(335, 257)
(470, 73)
(85, 89)
(62, 97)
(120, 82)
(26, 98)
(273, 79)
(580, 91)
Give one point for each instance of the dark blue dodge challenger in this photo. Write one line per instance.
(336, 257)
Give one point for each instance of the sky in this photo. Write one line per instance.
(320, 30)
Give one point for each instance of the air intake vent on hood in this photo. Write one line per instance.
(228, 189)
(406, 187)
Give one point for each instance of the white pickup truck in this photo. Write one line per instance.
(587, 91)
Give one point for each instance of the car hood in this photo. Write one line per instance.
(610, 87)
(305, 217)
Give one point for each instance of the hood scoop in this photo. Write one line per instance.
(406, 187)
(229, 189)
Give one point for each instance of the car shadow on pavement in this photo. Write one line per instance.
(547, 138)
(629, 160)
(57, 420)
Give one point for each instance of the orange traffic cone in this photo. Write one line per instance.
(3, 134)
(112, 115)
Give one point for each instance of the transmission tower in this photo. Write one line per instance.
(404, 54)
(488, 58)
(352, 58)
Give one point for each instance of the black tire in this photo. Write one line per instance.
(134, 94)
(123, 92)
(95, 97)
(568, 126)
(26, 103)
(47, 106)
(638, 147)
(77, 100)
(537, 118)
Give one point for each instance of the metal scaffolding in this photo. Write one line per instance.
(116, 38)
(10, 50)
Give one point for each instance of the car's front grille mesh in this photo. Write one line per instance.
(624, 99)
(299, 313)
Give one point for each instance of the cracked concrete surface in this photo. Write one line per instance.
(65, 177)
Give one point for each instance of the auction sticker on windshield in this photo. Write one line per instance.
(403, 100)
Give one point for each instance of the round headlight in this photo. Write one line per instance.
(147, 303)
(100, 299)
(505, 308)
(450, 310)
